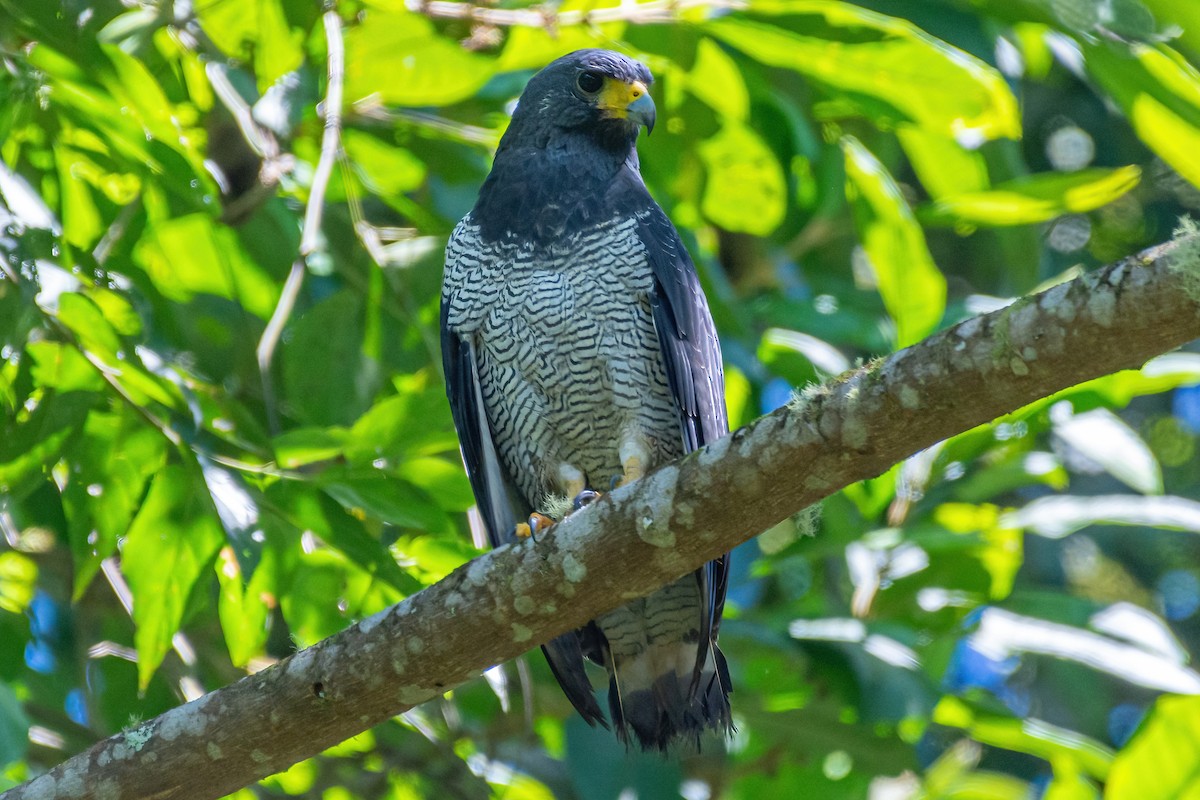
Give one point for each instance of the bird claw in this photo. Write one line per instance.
(584, 498)
(537, 522)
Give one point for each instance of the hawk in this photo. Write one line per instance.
(579, 353)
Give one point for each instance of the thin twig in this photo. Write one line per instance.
(330, 140)
(330, 144)
(657, 11)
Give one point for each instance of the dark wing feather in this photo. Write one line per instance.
(500, 503)
(692, 356)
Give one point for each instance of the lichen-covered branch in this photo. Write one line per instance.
(646, 534)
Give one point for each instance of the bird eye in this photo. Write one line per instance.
(589, 82)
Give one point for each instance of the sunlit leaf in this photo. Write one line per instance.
(301, 446)
(1104, 439)
(18, 583)
(912, 288)
(1036, 198)
(1031, 736)
(29, 449)
(402, 59)
(172, 539)
(1183, 15)
(192, 255)
(112, 461)
(528, 47)
(1163, 760)
(244, 606)
(879, 66)
(60, 366)
(393, 501)
(716, 79)
(1056, 517)
(944, 166)
(385, 168)
(82, 225)
(1160, 93)
(257, 27)
(745, 189)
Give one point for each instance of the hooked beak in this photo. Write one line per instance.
(631, 101)
(642, 112)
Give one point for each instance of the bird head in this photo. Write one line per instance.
(594, 92)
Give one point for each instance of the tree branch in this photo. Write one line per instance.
(646, 534)
(656, 11)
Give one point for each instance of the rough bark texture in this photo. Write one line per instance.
(644, 535)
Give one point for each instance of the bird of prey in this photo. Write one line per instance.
(579, 353)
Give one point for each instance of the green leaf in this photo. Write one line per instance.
(1162, 762)
(1025, 736)
(62, 367)
(99, 339)
(434, 556)
(191, 255)
(1059, 516)
(28, 450)
(18, 583)
(529, 47)
(1035, 198)
(1184, 15)
(82, 225)
(304, 446)
(912, 288)
(242, 606)
(442, 480)
(384, 168)
(745, 188)
(1159, 92)
(312, 511)
(14, 727)
(110, 465)
(881, 67)
(390, 500)
(412, 423)
(716, 80)
(257, 27)
(402, 59)
(1106, 440)
(170, 543)
(944, 167)
(341, 387)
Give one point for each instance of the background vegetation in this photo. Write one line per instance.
(188, 492)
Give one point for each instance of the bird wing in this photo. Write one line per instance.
(500, 502)
(692, 357)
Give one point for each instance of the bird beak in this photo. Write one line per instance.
(641, 111)
(631, 101)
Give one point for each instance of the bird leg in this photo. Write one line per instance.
(635, 455)
(575, 483)
(537, 522)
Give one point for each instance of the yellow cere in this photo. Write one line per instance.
(617, 95)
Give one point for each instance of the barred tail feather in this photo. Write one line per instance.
(672, 707)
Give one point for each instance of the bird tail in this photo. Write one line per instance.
(661, 696)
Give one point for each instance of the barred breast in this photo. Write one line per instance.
(569, 359)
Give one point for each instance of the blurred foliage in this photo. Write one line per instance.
(1006, 615)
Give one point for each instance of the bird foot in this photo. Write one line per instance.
(537, 523)
(584, 498)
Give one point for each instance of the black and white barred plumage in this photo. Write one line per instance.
(575, 338)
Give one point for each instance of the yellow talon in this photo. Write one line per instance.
(537, 522)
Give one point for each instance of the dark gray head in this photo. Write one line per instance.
(568, 156)
(596, 93)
